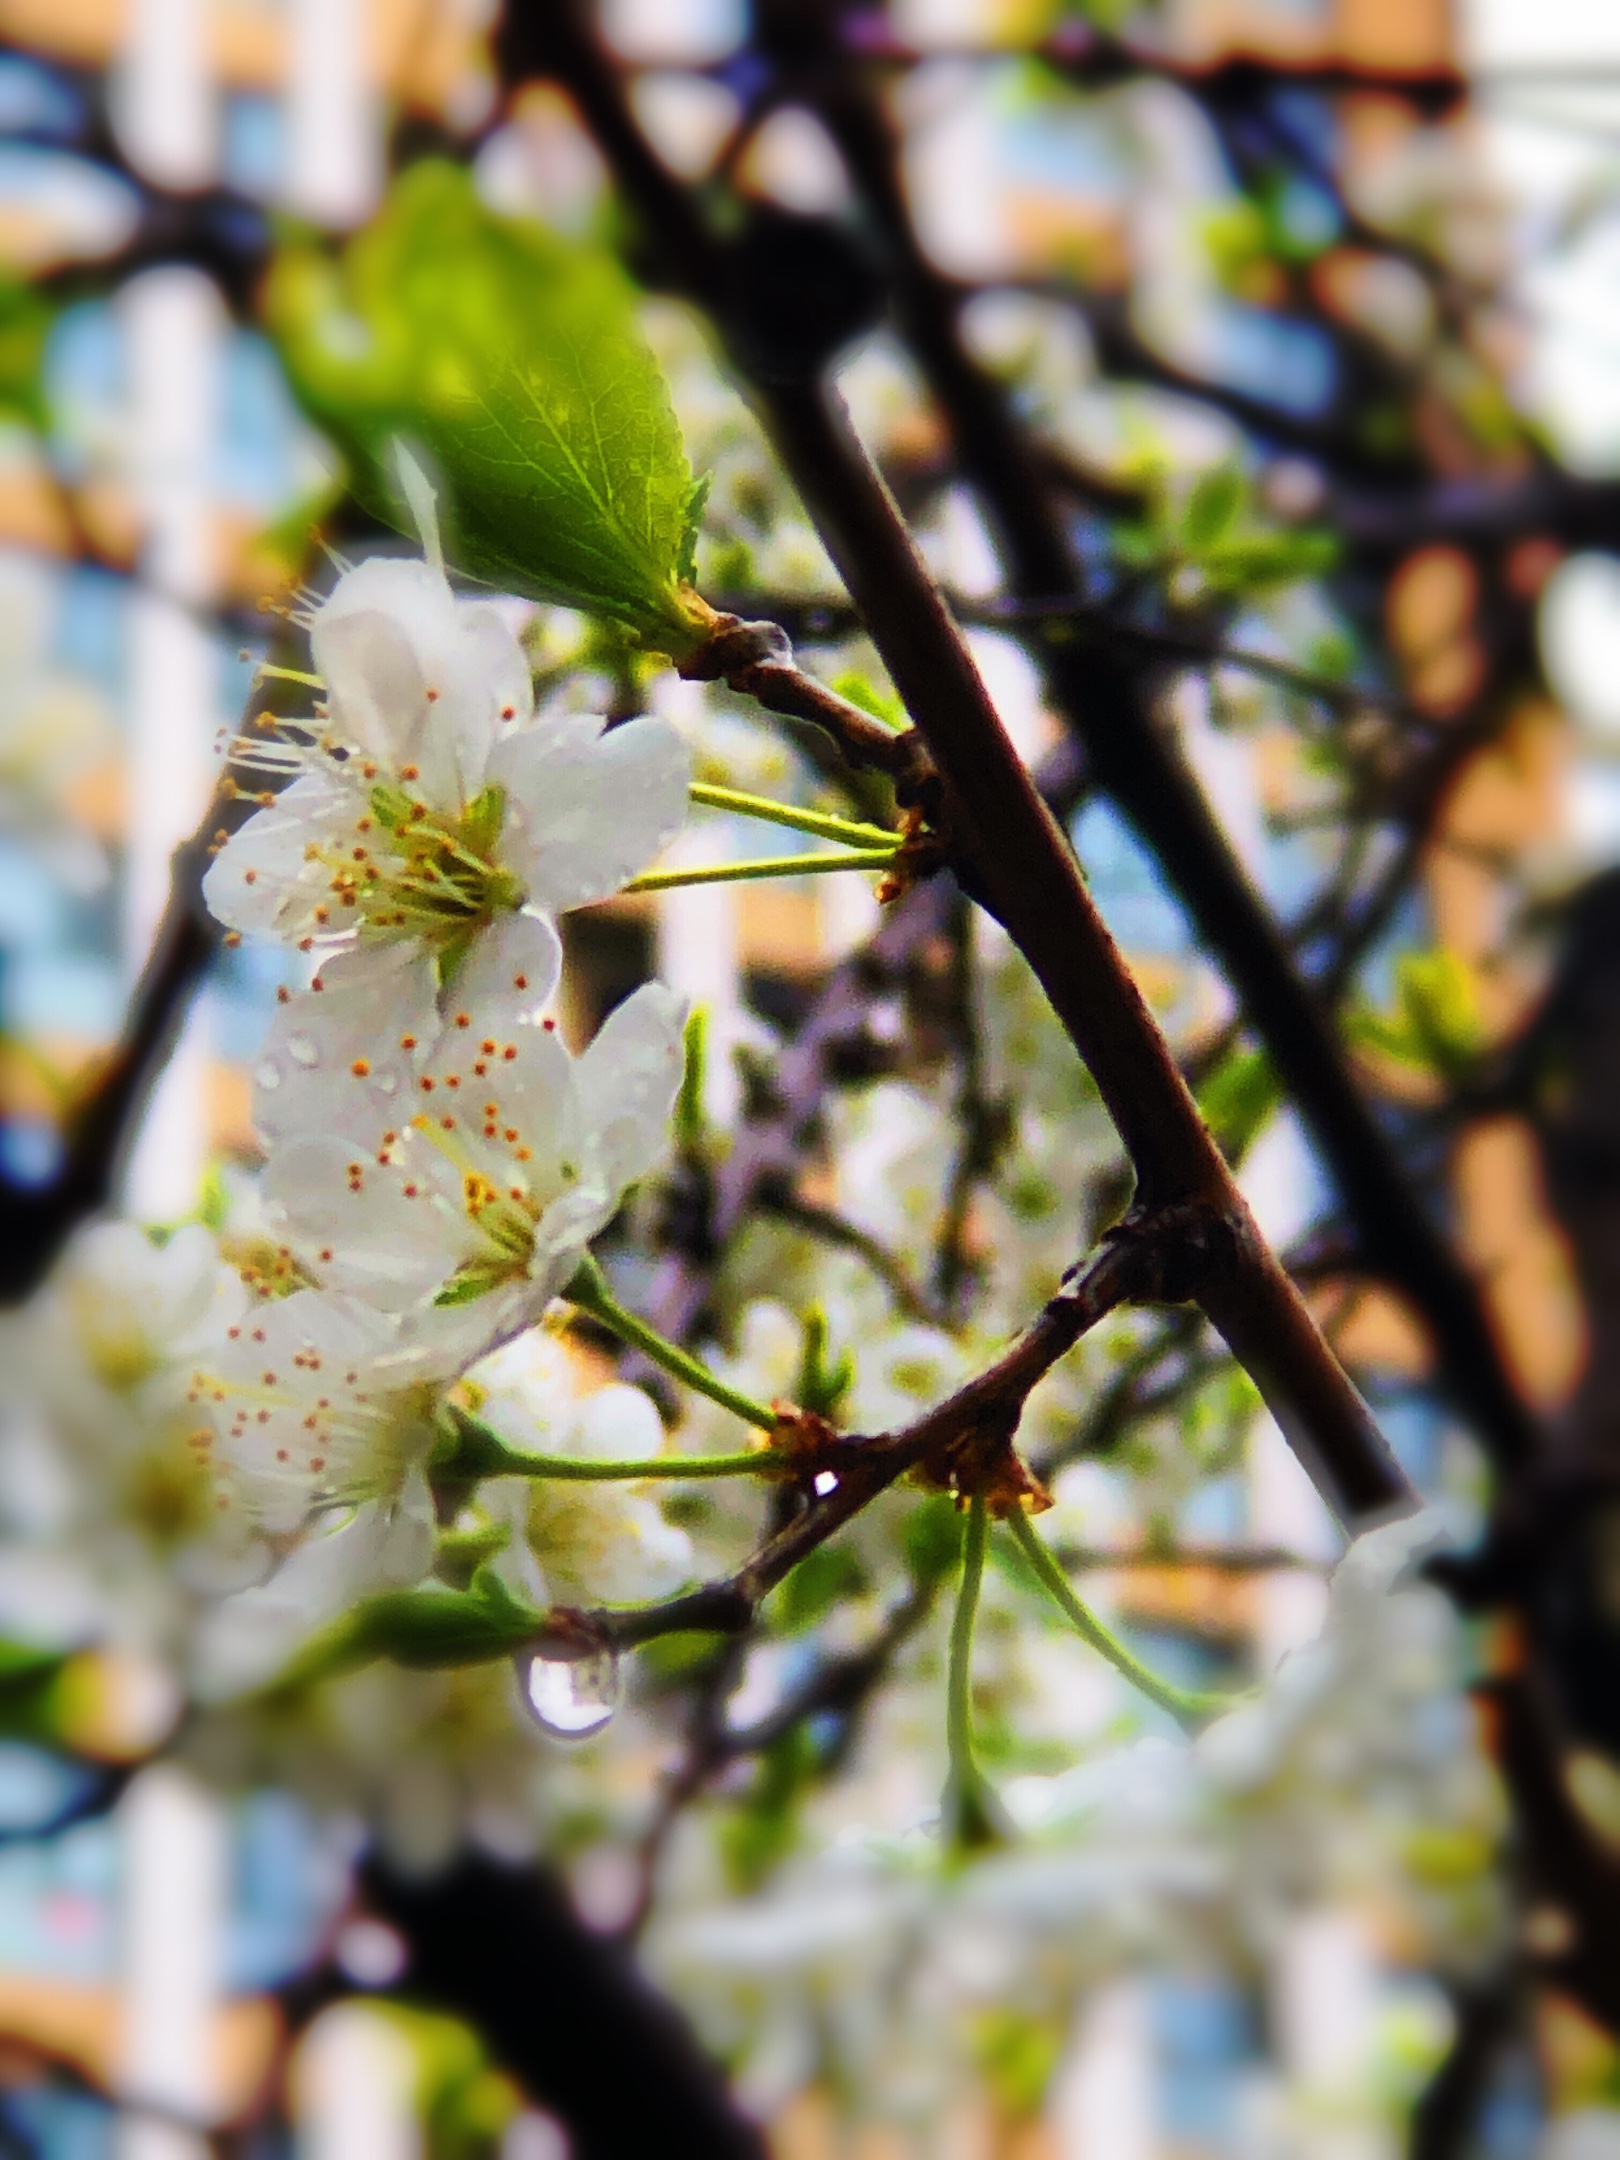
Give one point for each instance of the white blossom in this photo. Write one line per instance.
(108, 1519)
(468, 1211)
(576, 1543)
(428, 801)
(316, 1401)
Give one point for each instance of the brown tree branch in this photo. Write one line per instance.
(1022, 866)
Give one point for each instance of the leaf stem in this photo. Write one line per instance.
(481, 1452)
(588, 1289)
(1186, 1704)
(820, 822)
(769, 866)
(970, 1814)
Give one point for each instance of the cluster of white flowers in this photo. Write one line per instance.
(437, 1161)
(862, 1963)
(219, 1440)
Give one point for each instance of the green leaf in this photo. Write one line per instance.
(697, 499)
(28, 1677)
(881, 704)
(25, 327)
(1435, 1026)
(1259, 561)
(423, 1629)
(822, 1579)
(762, 1831)
(510, 361)
(1212, 507)
(1017, 2054)
(932, 1538)
(1237, 1097)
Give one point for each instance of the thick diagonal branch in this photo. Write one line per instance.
(1020, 859)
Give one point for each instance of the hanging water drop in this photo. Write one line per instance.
(571, 1698)
(302, 1050)
(268, 1074)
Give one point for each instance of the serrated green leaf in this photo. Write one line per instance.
(510, 361)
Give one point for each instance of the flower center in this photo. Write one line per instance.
(503, 1217)
(425, 874)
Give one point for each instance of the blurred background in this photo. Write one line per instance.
(1365, 253)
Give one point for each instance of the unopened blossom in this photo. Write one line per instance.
(468, 1211)
(576, 1543)
(427, 800)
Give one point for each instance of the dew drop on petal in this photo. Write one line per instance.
(385, 1082)
(302, 1050)
(571, 1698)
(268, 1074)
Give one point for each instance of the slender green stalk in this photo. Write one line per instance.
(481, 1452)
(1184, 1703)
(768, 866)
(970, 1810)
(819, 822)
(588, 1289)
(291, 674)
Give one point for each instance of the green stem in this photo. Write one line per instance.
(291, 674)
(768, 866)
(481, 1452)
(819, 822)
(970, 1812)
(1183, 1703)
(588, 1289)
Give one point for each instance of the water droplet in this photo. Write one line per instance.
(302, 1050)
(571, 1698)
(826, 1481)
(268, 1074)
(386, 1082)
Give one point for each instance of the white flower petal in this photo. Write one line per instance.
(617, 1423)
(376, 688)
(627, 1081)
(345, 1059)
(263, 880)
(378, 1242)
(585, 811)
(515, 964)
